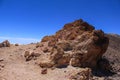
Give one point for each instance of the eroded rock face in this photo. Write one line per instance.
(77, 44)
(5, 43)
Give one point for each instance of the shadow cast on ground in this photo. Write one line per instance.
(104, 69)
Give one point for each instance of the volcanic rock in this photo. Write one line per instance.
(5, 43)
(44, 71)
(77, 44)
(28, 56)
(82, 75)
(16, 44)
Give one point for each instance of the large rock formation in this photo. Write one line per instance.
(77, 44)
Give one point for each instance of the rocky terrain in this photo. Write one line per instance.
(112, 55)
(76, 52)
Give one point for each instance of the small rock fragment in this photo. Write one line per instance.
(16, 44)
(5, 43)
(1, 60)
(29, 56)
(44, 71)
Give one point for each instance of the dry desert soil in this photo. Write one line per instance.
(13, 65)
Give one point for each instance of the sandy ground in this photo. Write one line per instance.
(14, 67)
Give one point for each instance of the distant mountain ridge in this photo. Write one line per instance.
(113, 52)
(114, 42)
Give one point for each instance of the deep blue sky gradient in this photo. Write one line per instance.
(37, 18)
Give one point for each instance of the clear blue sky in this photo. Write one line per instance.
(24, 21)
